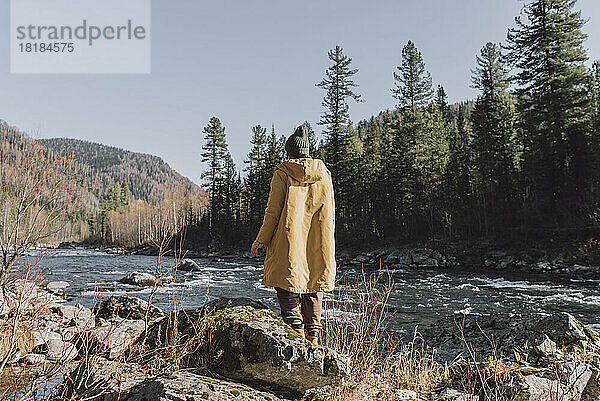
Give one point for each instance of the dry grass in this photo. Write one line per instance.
(357, 322)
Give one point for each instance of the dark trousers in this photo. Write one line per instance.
(301, 310)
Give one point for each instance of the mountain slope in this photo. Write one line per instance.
(142, 171)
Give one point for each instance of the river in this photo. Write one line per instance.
(418, 296)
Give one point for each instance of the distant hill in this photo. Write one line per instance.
(142, 171)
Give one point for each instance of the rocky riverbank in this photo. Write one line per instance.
(237, 349)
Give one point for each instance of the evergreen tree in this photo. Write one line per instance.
(457, 175)
(595, 131)
(412, 81)
(547, 48)
(228, 197)
(255, 163)
(125, 193)
(339, 86)
(493, 131)
(441, 100)
(312, 139)
(215, 154)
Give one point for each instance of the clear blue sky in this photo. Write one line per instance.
(255, 62)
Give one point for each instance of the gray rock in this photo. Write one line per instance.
(406, 395)
(57, 287)
(61, 351)
(188, 265)
(537, 388)
(185, 386)
(127, 307)
(33, 359)
(548, 349)
(41, 337)
(591, 392)
(76, 315)
(508, 333)
(115, 337)
(139, 279)
(450, 394)
(255, 345)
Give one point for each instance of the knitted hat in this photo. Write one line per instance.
(297, 144)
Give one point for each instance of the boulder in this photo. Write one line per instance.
(180, 386)
(571, 386)
(57, 287)
(60, 351)
(115, 337)
(591, 392)
(4, 303)
(33, 359)
(127, 307)
(67, 245)
(256, 346)
(139, 279)
(76, 315)
(188, 265)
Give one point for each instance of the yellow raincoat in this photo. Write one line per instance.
(298, 228)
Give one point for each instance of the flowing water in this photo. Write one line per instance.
(418, 296)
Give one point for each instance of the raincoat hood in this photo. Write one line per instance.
(305, 170)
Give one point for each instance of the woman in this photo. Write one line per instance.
(298, 233)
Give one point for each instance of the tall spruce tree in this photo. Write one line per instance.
(595, 131)
(215, 154)
(342, 146)
(493, 131)
(457, 176)
(547, 48)
(254, 167)
(412, 81)
(338, 85)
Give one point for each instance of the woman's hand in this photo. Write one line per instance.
(255, 248)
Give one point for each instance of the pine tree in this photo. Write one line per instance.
(595, 131)
(125, 193)
(493, 131)
(215, 154)
(412, 81)
(457, 174)
(339, 86)
(228, 196)
(547, 48)
(255, 163)
(312, 139)
(441, 100)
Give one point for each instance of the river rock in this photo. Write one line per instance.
(255, 345)
(57, 287)
(188, 265)
(76, 315)
(60, 351)
(127, 307)
(33, 359)
(115, 337)
(571, 387)
(185, 386)
(4, 303)
(67, 245)
(508, 333)
(139, 279)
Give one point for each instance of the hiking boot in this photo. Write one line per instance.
(313, 339)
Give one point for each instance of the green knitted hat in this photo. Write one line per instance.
(297, 144)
